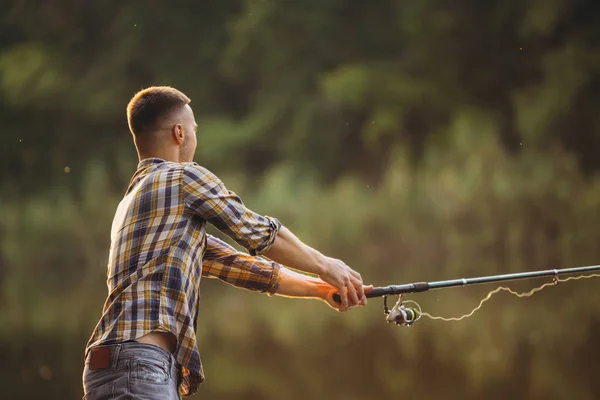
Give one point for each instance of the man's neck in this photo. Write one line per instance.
(164, 155)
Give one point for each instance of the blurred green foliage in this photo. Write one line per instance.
(417, 140)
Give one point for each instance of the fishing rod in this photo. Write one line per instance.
(406, 316)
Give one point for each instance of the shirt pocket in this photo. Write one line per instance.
(148, 371)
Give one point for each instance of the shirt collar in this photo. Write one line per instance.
(141, 169)
(147, 162)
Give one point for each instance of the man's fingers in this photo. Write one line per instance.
(349, 284)
(358, 284)
(359, 287)
(344, 298)
(367, 289)
(338, 293)
(352, 292)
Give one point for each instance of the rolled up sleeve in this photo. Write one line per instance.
(239, 269)
(207, 197)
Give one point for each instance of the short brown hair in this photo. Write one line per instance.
(149, 105)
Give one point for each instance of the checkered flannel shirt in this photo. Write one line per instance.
(159, 251)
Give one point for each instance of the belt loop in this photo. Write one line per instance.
(115, 356)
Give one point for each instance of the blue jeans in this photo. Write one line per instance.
(135, 370)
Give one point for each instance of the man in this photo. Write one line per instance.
(144, 345)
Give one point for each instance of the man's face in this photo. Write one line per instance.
(188, 148)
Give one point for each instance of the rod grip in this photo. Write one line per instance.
(376, 292)
(390, 290)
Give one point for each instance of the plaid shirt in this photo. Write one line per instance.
(159, 250)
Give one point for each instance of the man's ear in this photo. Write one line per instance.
(178, 134)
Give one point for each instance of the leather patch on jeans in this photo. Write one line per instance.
(99, 358)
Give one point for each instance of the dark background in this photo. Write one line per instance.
(416, 140)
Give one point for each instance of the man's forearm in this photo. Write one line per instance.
(293, 284)
(289, 250)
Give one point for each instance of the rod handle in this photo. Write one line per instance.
(390, 290)
(376, 292)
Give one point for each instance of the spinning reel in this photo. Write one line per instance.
(400, 314)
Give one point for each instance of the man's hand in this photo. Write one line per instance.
(327, 295)
(294, 284)
(346, 281)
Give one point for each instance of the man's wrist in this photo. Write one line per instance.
(320, 263)
(317, 289)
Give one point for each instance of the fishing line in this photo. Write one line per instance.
(499, 289)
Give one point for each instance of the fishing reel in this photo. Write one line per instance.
(400, 314)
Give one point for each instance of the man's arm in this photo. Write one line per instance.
(206, 196)
(287, 249)
(242, 270)
(297, 285)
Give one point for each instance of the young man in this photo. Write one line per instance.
(145, 342)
